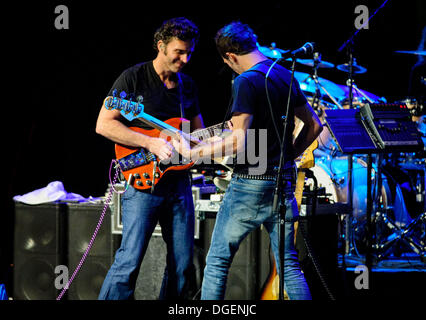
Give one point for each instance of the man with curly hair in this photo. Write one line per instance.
(167, 93)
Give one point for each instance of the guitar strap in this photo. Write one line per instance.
(180, 88)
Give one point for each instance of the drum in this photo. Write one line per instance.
(357, 102)
(332, 174)
(408, 176)
(359, 98)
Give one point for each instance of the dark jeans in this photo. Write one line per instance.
(171, 205)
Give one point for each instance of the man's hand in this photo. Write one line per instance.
(160, 147)
(182, 146)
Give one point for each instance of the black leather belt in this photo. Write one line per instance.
(254, 177)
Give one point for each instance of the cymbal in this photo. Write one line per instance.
(307, 84)
(356, 68)
(417, 52)
(310, 63)
(273, 53)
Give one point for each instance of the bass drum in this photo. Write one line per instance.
(332, 174)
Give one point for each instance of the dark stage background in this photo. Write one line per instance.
(57, 79)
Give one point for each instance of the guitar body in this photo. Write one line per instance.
(140, 164)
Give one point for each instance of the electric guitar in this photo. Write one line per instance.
(140, 167)
(271, 287)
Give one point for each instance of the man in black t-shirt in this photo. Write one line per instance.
(167, 93)
(257, 109)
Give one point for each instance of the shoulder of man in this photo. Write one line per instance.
(188, 83)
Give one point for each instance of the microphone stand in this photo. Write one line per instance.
(351, 61)
(278, 207)
(317, 96)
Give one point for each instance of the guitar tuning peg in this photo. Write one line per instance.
(114, 93)
(139, 98)
(123, 94)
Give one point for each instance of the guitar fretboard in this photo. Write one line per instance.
(206, 133)
(131, 110)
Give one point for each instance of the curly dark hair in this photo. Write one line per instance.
(180, 28)
(235, 37)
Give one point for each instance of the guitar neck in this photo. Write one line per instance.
(200, 134)
(206, 133)
(132, 110)
(158, 124)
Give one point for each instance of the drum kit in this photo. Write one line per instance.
(399, 208)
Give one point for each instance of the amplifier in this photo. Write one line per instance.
(115, 204)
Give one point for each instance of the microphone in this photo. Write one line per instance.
(307, 48)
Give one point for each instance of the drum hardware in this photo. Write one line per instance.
(316, 63)
(329, 88)
(387, 232)
(403, 234)
(281, 51)
(354, 86)
(318, 86)
(356, 68)
(373, 131)
(415, 52)
(272, 52)
(313, 63)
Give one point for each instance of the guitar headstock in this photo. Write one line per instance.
(307, 159)
(128, 108)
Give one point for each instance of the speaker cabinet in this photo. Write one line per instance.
(39, 244)
(82, 221)
(151, 272)
(248, 270)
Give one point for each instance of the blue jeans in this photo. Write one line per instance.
(248, 204)
(171, 204)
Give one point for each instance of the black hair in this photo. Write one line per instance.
(180, 28)
(235, 37)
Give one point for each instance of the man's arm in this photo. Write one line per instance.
(197, 122)
(110, 126)
(312, 128)
(232, 144)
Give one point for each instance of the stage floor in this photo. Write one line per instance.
(407, 262)
(402, 277)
